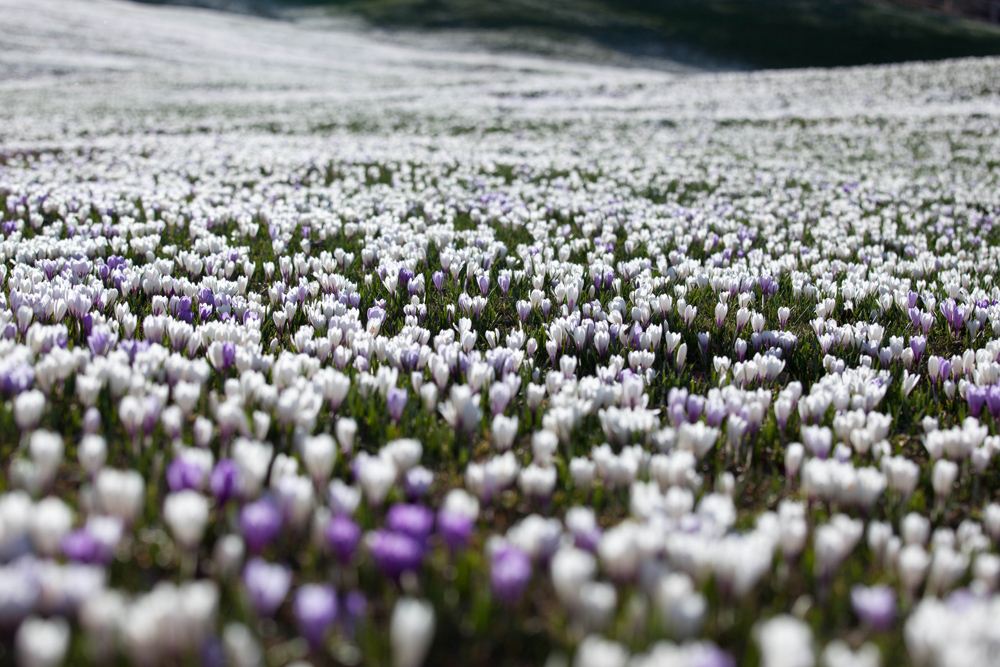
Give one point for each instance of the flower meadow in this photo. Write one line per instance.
(432, 358)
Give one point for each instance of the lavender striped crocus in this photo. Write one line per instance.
(267, 584)
(509, 574)
(315, 609)
(875, 606)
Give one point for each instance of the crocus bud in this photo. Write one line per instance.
(874, 606)
(51, 520)
(260, 523)
(793, 459)
(318, 455)
(943, 477)
(92, 453)
(266, 584)
(42, 643)
(46, 449)
(28, 407)
(411, 632)
(315, 608)
(510, 574)
(186, 514)
(346, 430)
(781, 637)
(343, 535)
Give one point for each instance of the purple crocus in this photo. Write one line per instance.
(953, 314)
(510, 574)
(438, 279)
(918, 344)
(504, 282)
(315, 608)
(976, 397)
(395, 553)
(417, 482)
(993, 400)
(484, 284)
(81, 547)
(260, 523)
(101, 341)
(395, 402)
(875, 605)
(945, 372)
(343, 535)
(224, 480)
(228, 355)
(416, 521)
(695, 406)
(455, 529)
(183, 474)
(267, 584)
(715, 412)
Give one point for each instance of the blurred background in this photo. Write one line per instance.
(717, 34)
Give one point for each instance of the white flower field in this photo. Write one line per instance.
(318, 347)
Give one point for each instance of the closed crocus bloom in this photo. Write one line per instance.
(186, 514)
(411, 632)
(319, 453)
(315, 608)
(874, 606)
(120, 493)
(28, 407)
(266, 584)
(395, 402)
(92, 453)
(260, 523)
(510, 573)
(46, 449)
(454, 528)
(943, 477)
(785, 641)
(418, 481)
(346, 430)
(343, 535)
(224, 480)
(41, 642)
(395, 553)
(794, 455)
(50, 521)
(416, 521)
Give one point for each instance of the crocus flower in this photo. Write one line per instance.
(224, 480)
(260, 523)
(395, 402)
(875, 606)
(509, 574)
(266, 584)
(315, 608)
(343, 535)
(395, 553)
(454, 528)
